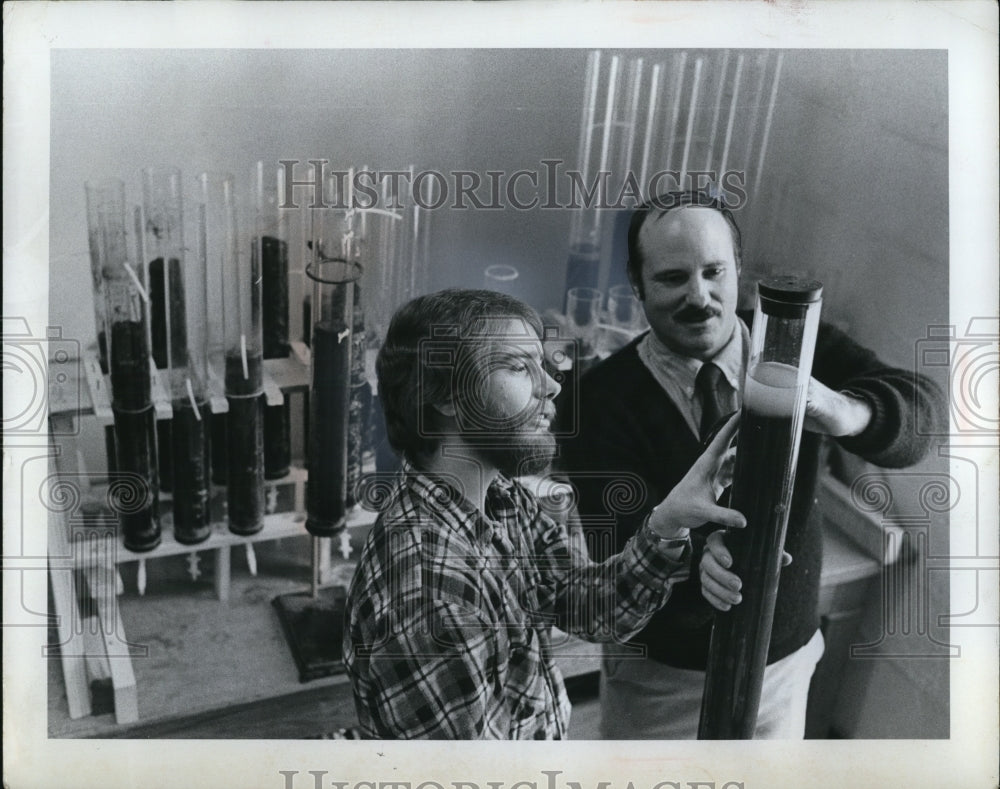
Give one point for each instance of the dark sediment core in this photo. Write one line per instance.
(328, 425)
(135, 483)
(130, 382)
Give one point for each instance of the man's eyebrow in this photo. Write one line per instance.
(666, 272)
(684, 269)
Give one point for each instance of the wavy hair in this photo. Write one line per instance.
(430, 357)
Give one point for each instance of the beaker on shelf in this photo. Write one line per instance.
(583, 313)
(501, 278)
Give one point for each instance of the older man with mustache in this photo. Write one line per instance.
(645, 411)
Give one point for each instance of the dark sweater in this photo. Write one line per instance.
(624, 432)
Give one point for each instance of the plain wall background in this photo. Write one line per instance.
(855, 190)
(853, 193)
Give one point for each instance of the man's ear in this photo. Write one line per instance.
(636, 286)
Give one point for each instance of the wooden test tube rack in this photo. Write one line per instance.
(93, 642)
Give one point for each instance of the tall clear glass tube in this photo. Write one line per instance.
(103, 196)
(630, 155)
(131, 392)
(387, 234)
(244, 383)
(583, 266)
(217, 248)
(185, 314)
(360, 400)
(270, 247)
(382, 237)
(417, 227)
(607, 147)
(333, 271)
(774, 400)
(163, 247)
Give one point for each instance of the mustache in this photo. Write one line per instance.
(696, 314)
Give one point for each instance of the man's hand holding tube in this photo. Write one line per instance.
(827, 411)
(835, 413)
(693, 502)
(718, 585)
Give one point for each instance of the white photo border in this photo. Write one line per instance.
(968, 30)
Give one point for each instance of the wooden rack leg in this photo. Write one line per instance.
(95, 654)
(118, 660)
(73, 665)
(98, 666)
(67, 609)
(324, 559)
(222, 573)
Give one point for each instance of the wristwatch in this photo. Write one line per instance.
(658, 539)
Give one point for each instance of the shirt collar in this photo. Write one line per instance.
(441, 495)
(731, 360)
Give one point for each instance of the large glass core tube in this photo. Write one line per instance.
(333, 271)
(774, 400)
(135, 480)
(241, 292)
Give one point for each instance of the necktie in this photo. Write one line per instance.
(713, 407)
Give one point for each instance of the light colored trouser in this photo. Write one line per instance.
(642, 699)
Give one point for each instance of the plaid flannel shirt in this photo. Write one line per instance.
(450, 613)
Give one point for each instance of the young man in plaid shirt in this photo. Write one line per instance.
(463, 576)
